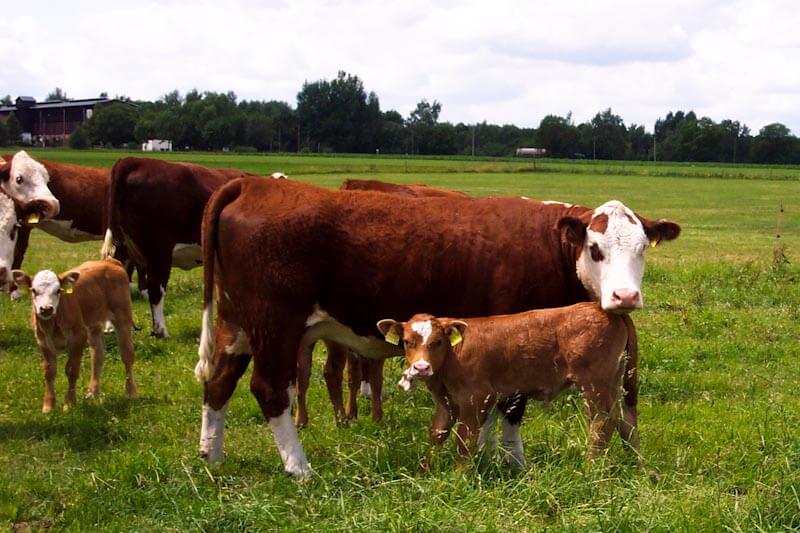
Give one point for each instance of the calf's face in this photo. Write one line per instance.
(427, 342)
(46, 288)
(611, 246)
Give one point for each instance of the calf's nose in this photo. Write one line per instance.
(46, 310)
(422, 367)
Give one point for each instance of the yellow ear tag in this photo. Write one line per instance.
(455, 337)
(392, 337)
(33, 219)
(68, 289)
(653, 243)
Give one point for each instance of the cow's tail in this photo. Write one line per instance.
(221, 198)
(119, 174)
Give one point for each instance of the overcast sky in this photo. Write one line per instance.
(494, 60)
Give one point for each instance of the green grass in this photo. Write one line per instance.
(718, 409)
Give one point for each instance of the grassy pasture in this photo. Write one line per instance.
(718, 413)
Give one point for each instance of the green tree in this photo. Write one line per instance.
(774, 144)
(421, 124)
(558, 135)
(14, 129)
(79, 140)
(56, 94)
(7, 100)
(608, 134)
(3, 134)
(112, 124)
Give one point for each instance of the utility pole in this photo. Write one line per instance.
(473, 139)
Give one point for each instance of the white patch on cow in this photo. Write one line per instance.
(289, 447)
(423, 328)
(212, 433)
(524, 198)
(278, 176)
(28, 181)
(45, 290)
(205, 352)
(556, 202)
(487, 438)
(8, 219)
(622, 246)
(240, 344)
(159, 324)
(366, 390)
(62, 229)
(108, 245)
(514, 454)
(145, 294)
(187, 256)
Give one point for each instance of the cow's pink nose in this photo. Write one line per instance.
(626, 298)
(46, 311)
(422, 367)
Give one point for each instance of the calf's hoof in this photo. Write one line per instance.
(47, 408)
(130, 391)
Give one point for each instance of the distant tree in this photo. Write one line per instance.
(14, 129)
(3, 134)
(79, 140)
(103, 94)
(7, 100)
(608, 136)
(421, 124)
(57, 94)
(774, 144)
(557, 135)
(640, 143)
(112, 124)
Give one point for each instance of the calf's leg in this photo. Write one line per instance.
(354, 376)
(304, 359)
(333, 372)
(375, 379)
(97, 350)
(49, 368)
(125, 343)
(73, 369)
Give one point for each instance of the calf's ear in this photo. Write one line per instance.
(390, 329)
(661, 230)
(572, 229)
(22, 280)
(68, 280)
(455, 331)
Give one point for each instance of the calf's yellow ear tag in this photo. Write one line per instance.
(68, 289)
(392, 337)
(455, 336)
(33, 219)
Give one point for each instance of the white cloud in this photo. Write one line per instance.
(502, 61)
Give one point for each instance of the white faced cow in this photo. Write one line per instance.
(25, 180)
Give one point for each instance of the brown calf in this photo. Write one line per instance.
(72, 308)
(478, 367)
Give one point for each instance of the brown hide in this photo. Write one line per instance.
(416, 190)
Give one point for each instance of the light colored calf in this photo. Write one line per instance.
(478, 368)
(72, 308)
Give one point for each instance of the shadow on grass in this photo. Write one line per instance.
(89, 426)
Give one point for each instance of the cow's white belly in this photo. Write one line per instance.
(63, 230)
(187, 256)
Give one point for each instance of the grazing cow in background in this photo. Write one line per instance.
(366, 372)
(476, 369)
(154, 209)
(74, 307)
(291, 263)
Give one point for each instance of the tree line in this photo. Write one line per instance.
(340, 116)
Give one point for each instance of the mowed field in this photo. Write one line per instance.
(719, 370)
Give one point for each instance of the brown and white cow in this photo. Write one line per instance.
(72, 308)
(9, 231)
(363, 374)
(154, 209)
(477, 368)
(274, 250)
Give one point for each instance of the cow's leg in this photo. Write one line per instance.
(375, 376)
(230, 361)
(125, 346)
(97, 350)
(487, 438)
(333, 372)
(513, 410)
(304, 360)
(49, 368)
(354, 376)
(157, 277)
(274, 369)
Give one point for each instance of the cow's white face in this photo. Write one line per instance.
(8, 237)
(612, 244)
(26, 182)
(46, 290)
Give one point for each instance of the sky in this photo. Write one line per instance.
(500, 61)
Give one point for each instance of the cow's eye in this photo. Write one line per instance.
(19, 180)
(595, 252)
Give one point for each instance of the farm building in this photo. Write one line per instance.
(51, 122)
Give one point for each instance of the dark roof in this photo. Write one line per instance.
(26, 98)
(58, 104)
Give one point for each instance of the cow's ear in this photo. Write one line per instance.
(661, 230)
(573, 230)
(68, 280)
(391, 330)
(454, 330)
(22, 280)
